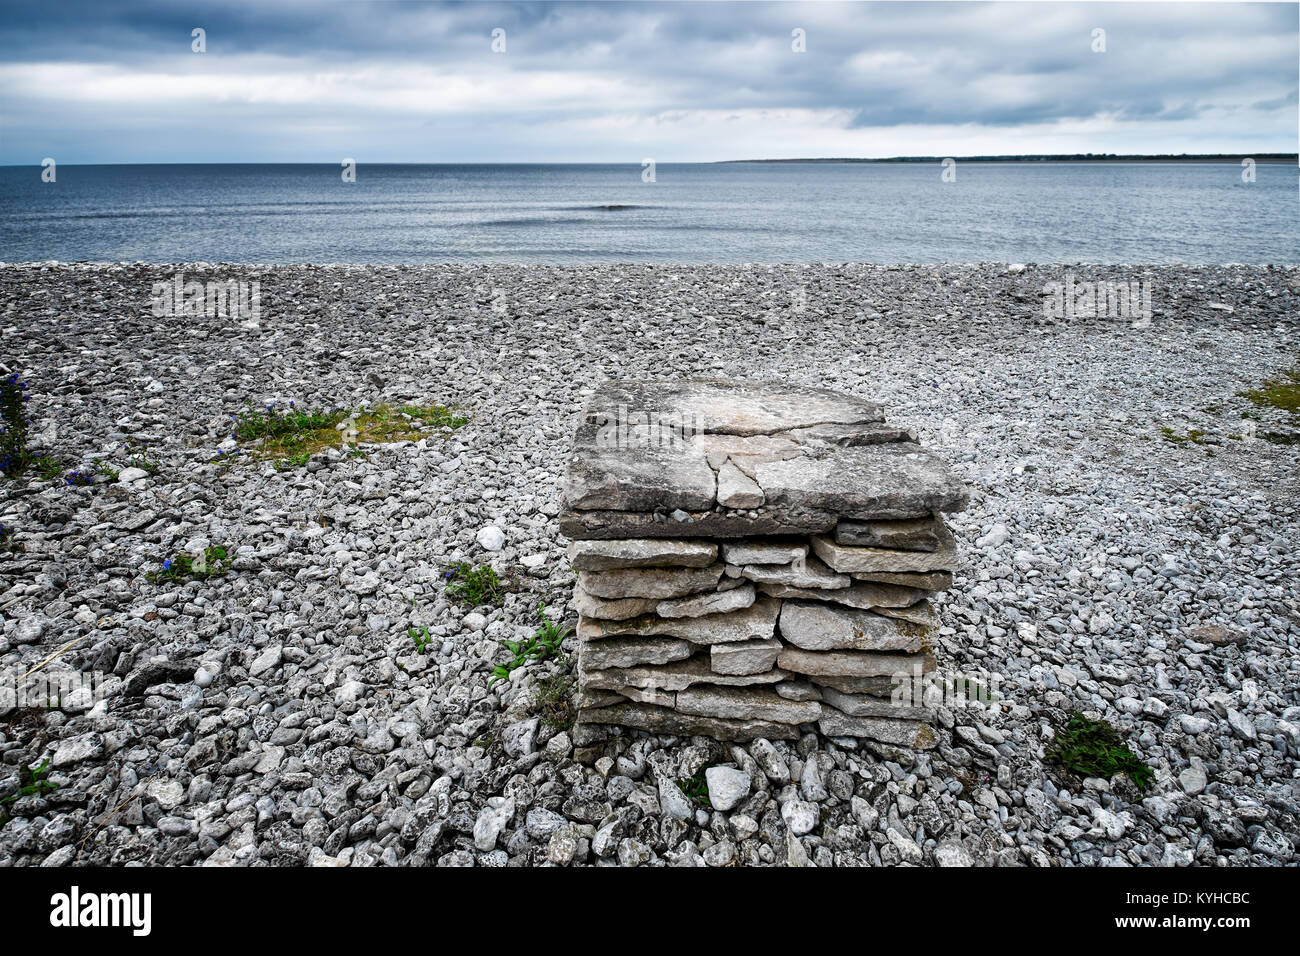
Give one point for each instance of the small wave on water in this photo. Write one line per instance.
(540, 221)
(606, 207)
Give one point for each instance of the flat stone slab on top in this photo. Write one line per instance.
(648, 455)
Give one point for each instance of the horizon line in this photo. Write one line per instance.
(1234, 157)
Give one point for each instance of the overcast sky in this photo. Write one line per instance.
(621, 82)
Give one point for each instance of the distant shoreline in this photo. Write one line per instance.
(1234, 158)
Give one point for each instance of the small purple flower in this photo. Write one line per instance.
(167, 565)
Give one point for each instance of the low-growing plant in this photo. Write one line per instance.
(138, 457)
(107, 470)
(293, 461)
(13, 426)
(696, 788)
(474, 586)
(251, 425)
(289, 436)
(550, 635)
(1093, 748)
(554, 700)
(1194, 436)
(80, 476)
(46, 467)
(433, 416)
(1282, 393)
(421, 637)
(30, 783)
(214, 562)
(544, 643)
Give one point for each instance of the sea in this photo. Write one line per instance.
(1046, 212)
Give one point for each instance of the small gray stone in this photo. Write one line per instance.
(520, 739)
(800, 816)
(266, 661)
(727, 786)
(76, 749)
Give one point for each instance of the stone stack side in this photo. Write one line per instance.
(754, 560)
(761, 637)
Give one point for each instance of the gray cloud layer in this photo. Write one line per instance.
(410, 82)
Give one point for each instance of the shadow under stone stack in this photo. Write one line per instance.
(754, 561)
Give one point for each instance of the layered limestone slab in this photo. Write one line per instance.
(719, 602)
(895, 480)
(926, 580)
(651, 696)
(731, 407)
(813, 626)
(810, 573)
(718, 524)
(802, 457)
(816, 664)
(861, 433)
(650, 582)
(637, 478)
(664, 720)
(868, 705)
(679, 675)
(744, 657)
(739, 703)
(736, 489)
(612, 609)
(921, 614)
(919, 534)
(881, 687)
(887, 730)
(801, 689)
(754, 622)
(641, 553)
(875, 560)
(859, 594)
(629, 652)
(763, 552)
(753, 560)
(746, 446)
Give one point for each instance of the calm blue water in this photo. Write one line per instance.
(693, 213)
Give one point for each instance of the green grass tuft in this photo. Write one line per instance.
(289, 437)
(1194, 436)
(474, 586)
(554, 700)
(1281, 393)
(543, 644)
(696, 788)
(421, 637)
(1092, 748)
(31, 783)
(214, 563)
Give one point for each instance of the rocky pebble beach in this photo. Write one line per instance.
(1128, 553)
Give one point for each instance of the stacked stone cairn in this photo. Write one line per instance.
(753, 561)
